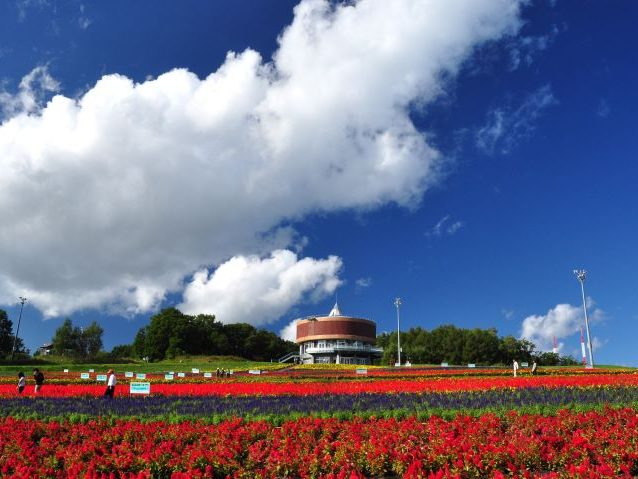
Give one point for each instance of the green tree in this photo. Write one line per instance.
(65, 339)
(6, 334)
(122, 351)
(92, 340)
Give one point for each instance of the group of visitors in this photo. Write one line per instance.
(38, 378)
(516, 367)
(220, 373)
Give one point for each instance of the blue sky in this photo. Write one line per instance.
(465, 157)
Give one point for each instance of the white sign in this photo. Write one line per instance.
(66, 370)
(140, 376)
(195, 370)
(208, 375)
(254, 371)
(171, 372)
(140, 388)
(471, 365)
(181, 375)
(444, 365)
(524, 365)
(101, 377)
(91, 370)
(128, 374)
(169, 377)
(84, 375)
(362, 371)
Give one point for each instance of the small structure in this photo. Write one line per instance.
(45, 349)
(337, 339)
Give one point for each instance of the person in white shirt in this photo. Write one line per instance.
(22, 382)
(110, 384)
(515, 367)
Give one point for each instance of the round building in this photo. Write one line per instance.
(337, 339)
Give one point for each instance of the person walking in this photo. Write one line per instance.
(515, 366)
(38, 377)
(534, 368)
(22, 382)
(110, 384)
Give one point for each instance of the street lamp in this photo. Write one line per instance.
(581, 274)
(397, 303)
(15, 340)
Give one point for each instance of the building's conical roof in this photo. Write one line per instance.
(335, 310)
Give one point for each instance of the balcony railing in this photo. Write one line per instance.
(364, 348)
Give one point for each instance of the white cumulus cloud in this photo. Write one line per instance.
(112, 198)
(289, 332)
(560, 322)
(250, 289)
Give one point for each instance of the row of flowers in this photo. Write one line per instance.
(301, 375)
(590, 445)
(215, 408)
(380, 385)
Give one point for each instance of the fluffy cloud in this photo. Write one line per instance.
(31, 92)
(562, 321)
(253, 290)
(289, 332)
(114, 197)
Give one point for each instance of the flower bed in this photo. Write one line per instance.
(367, 385)
(592, 444)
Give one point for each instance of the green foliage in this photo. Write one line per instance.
(7, 338)
(73, 341)
(454, 345)
(172, 333)
(122, 351)
(449, 344)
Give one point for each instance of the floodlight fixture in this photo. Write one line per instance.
(397, 303)
(581, 274)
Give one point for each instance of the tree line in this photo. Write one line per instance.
(171, 333)
(452, 345)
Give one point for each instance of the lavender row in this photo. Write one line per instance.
(249, 406)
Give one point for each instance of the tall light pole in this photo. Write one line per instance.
(15, 340)
(581, 274)
(397, 303)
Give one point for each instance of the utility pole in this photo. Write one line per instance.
(15, 340)
(581, 274)
(397, 303)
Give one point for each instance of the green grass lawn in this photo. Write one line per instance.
(181, 364)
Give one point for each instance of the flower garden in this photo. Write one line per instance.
(413, 423)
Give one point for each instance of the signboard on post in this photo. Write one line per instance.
(66, 370)
(362, 371)
(195, 370)
(524, 365)
(128, 374)
(254, 371)
(101, 377)
(181, 375)
(140, 376)
(208, 375)
(471, 365)
(444, 365)
(84, 376)
(168, 377)
(140, 388)
(91, 370)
